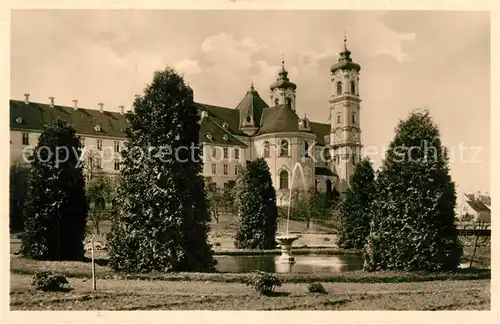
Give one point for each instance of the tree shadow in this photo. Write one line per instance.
(100, 262)
(275, 293)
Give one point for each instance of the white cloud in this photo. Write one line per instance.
(385, 41)
(188, 66)
(230, 61)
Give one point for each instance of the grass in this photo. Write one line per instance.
(352, 290)
(114, 294)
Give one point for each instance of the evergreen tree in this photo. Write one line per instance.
(18, 193)
(412, 225)
(162, 222)
(354, 207)
(56, 210)
(256, 204)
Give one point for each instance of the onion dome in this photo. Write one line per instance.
(345, 61)
(283, 82)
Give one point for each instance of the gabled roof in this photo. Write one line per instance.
(217, 134)
(36, 115)
(320, 130)
(223, 114)
(279, 119)
(477, 203)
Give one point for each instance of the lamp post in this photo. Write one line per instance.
(94, 284)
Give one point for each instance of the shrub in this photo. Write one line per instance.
(56, 209)
(354, 207)
(413, 214)
(162, 222)
(317, 287)
(18, 193)
(49, 281)
(263, 282)
(256, 203)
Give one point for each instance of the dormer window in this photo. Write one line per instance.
(224, 125)
(224, 137)
(97, 128)
(19, 120)
(306, 124)
(209, 136)
(276, 102)
(249, 119)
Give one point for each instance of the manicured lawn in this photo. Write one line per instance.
(188, 295)
(469, 289)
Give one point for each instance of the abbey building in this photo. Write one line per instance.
(323, 155)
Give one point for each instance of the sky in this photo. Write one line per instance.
(409, 60)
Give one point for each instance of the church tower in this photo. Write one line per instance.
(283, 90)
(344, 117)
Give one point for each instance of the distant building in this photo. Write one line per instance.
(476, 208)
(328, 152)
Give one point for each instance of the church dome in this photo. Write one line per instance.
(283, 82)
(345, 61)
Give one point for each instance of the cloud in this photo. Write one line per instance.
(232, 62)
(188, 66)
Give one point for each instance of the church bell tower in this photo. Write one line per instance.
(345, 128)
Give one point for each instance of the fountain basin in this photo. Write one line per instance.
(286, 241)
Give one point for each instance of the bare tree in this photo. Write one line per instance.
(475, 236)
(98, 189)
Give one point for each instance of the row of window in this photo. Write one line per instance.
(339, 88)
(225, 169)
(284, 176)
(96, 162)
(284, 149)
(26, 141)
(225, 152)
(339, 118)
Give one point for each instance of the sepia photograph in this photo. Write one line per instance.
(257, 160)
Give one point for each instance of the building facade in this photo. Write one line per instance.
(318, 155)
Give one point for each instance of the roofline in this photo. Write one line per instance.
(220, 144)
(70, 107)
(36, 130)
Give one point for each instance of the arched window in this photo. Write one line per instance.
(266, 149)
(353, 88)
(284, 179)
(284, 148)
(289, 102)
(305, 148)
(249, 118)
(339, 88)
(328, 186)
(276, 101)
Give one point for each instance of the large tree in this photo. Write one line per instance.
(256, 204)
(162, 221)
(413, 212)
(56, 210)
(354, 207)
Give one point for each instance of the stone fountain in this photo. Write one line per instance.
(286, 240)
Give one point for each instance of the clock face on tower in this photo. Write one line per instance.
(354, 135)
